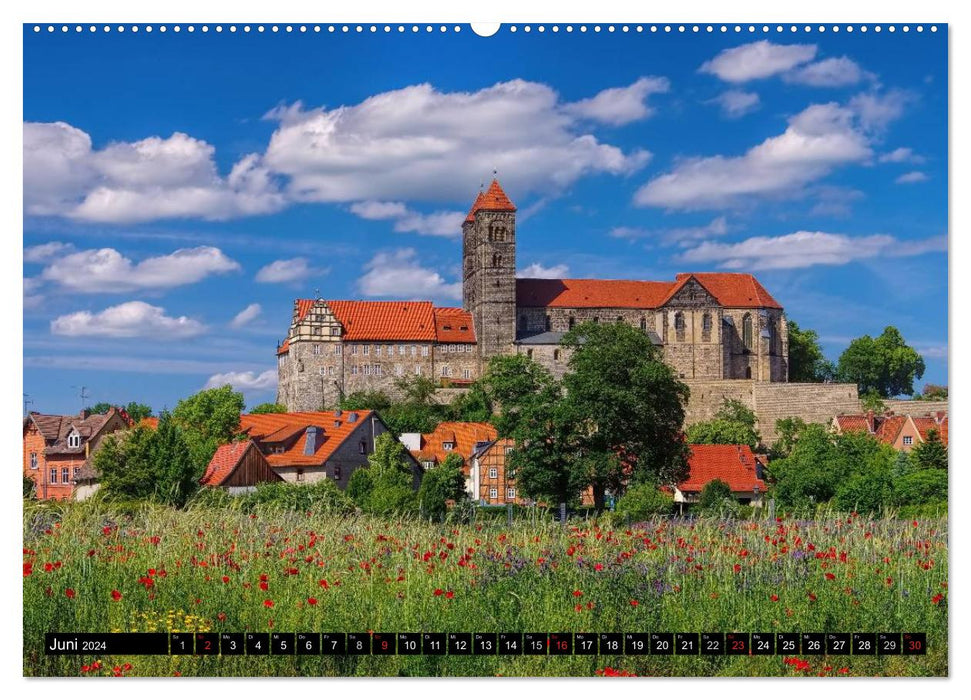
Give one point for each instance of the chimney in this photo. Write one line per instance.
(940, 416)
(84, 414)
(310, 447)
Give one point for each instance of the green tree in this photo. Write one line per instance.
(872, 401)
(138, 411)
(932, 392)
(392, 491)
(788, 430)
(627, 408)
(734, 424)
(642, 502)
(930, 454)
(512, 382)
(473, 405)
(208, 419)
(442, 484)
(920, 488)
(885, 364)
(100, 408)
(124, 462)
(30, 488)
(713, 496)
(806, 360)
(175, 475)
(365, 400)
(865, 492)
(359, 487)
(268, 407)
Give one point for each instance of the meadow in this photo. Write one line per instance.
(88, 567)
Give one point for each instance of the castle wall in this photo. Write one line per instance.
(915, 408)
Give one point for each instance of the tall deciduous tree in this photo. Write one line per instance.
(930, 454)
(885, 364)
(734, 424)
(806, 360)
(268, 407)
(441, 484)
(208, 419)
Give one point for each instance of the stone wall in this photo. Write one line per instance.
(915, 408)
(814, 403)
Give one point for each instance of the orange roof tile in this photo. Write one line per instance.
(385, 320)
(889, 428)
(269, 427)
(590, 294)
(853, 423)
(734, 289)
(453, 325)
(464, 435)
(733, 464)
(284, 347)
(731, 290)
(303, 307)
(493, 199)
(224, 462)
(925, 424)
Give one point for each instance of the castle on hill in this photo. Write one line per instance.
(709, 326)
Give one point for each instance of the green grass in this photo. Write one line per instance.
(839, 574)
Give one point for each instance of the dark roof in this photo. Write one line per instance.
(56, 428)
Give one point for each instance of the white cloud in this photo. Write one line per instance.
(537, 271)
(419, 143)
(737, 103)
(876, 110)
(31, 300)
(674, 236)
(107, 270)
(398, 274)
(246, 316)
(154, 178)
(133, 319)
(620, 105)
(830, 72)
(46, 251)
(244, 381)
(819, 139)
(807, 248)
(761, 59)
(935, 351)
(835, 201)
(289, 270)
(901, 155)
(441, 223)
(911, 177)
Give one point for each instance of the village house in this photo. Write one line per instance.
(736, 465)
(483, 457)
(902, 432)
(298, 448)
(58, 448)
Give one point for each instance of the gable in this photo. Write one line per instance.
(690, 293)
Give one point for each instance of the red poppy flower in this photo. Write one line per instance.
(449, 595)
(598, 567)
(438, 591)
(69, 592)
(737, 568)
(264, 585)
(577, 594)
(812, 596)
(830, 576)
(774, 598)
(937, 599)
(311, 601)
(116, 596)
(268, 603)
(225, 579)
(634, 603)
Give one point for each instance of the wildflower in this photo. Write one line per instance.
(737, 568)
(577, 594)
(598, 567)
(774, 598)
(449, 595)
(634, 603)
(438, 591)
(116, 596)
(311, 601)
(225, 579)
(937, 599)
(812, 596)
(830, 576)
(69, 592)
(268, 603)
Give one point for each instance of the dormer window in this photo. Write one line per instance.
(74, 440)
(448, 446)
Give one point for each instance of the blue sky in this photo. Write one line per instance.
(182, 189)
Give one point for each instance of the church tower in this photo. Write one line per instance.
(489, 270)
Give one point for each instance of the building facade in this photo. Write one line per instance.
(709, 326)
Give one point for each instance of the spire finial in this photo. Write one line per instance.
(317, 293)
(495, 172)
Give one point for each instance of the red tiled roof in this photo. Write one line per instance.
(453, 325)
(333, 431)
(224, 462)
(284, 347)
(731, 290)
(590, 294)
(303, 307)
(150, 422)
(853, 423)
(493, 199)
(733, 464)
(385, 320)
(889, 427)
(463, 434)
(926, 424)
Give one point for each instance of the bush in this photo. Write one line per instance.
(643, 502)
(864, 492)
(321, 496)
(921, 487)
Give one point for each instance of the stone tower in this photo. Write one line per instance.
(489, 270)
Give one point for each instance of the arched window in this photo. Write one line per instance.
(596, 319)
(679, 326)
(556, 354)
(643, 323)
(529, 354)
(747, 334)
(773, 338)
(748, 372)
(706, 328)
(496, 260)
(571, 322)
(547, 322)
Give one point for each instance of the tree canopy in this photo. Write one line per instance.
(885, 364)
(441, 484)
(268, 407)
(208, 419)
(136, 411)
(807, 363)
(733, 424)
